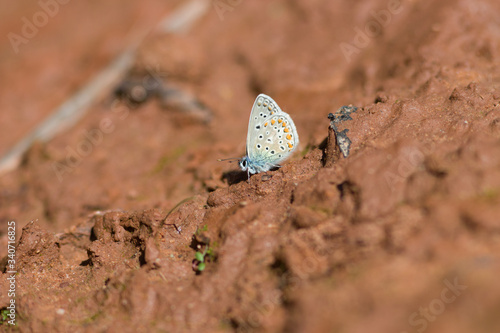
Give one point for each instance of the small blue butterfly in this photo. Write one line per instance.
(271, 139)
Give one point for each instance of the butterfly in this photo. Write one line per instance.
(272, 137)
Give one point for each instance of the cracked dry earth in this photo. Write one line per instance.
(402, 235)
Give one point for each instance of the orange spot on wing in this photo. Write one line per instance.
(286, 130)
(273, 121)
(265, 124)
(290, 145)
(280, 121)
(289, 136)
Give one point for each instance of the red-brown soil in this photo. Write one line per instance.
(402, 235)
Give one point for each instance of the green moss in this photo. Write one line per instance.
(325, 211)
(307, 149)
(168, 159)
(92, 318)
(490, 195)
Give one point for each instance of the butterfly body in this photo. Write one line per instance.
(272, 136)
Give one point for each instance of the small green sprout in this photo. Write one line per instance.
(200, 256)
(4, 315)
(201, 266)
(200, 230)
(204, 251)
(199, 261)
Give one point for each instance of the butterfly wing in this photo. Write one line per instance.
(272, 136)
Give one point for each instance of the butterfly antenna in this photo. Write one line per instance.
(231, 159)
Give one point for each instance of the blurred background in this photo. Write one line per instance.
(51, 49)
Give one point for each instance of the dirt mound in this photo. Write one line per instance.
(386, 221)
